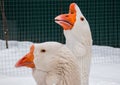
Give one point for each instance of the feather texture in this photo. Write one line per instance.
(60, 65)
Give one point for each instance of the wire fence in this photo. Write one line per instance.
(33, 20)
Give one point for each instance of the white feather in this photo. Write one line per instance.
(56, 66)
(79, 41)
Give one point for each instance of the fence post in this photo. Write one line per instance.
(4, 22)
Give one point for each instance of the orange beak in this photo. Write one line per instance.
(67, 20)
(27, 60)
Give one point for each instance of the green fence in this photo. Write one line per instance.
(33, 20)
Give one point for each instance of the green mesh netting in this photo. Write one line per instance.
(33, 20)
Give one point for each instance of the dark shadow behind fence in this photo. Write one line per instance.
(33, 20)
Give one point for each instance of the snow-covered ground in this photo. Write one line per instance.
(105, 68)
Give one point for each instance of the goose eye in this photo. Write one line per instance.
(81, 18)
(43, 50)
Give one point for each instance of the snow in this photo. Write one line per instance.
(105, 74)
(17, 81)
(105, 55)
(8, 58)
(105, 68)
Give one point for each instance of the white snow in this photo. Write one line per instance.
(105, 55)
(105, 74)
(17, 81)
(8, 58)
(105, 68)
